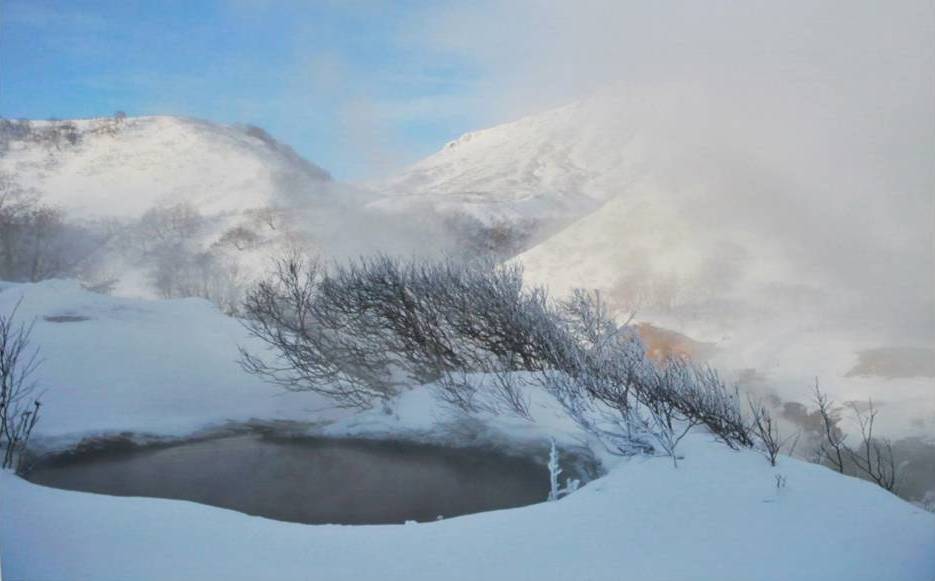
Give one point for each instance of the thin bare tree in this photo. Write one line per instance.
(766, 431)
(872, 458)
(832, 448)
(19, 409)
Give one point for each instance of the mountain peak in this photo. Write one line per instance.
(122, 166)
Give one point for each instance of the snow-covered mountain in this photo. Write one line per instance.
(745, 235)
(559, 164)
(178, 206)
(181, 206)
(698, 239)
(530, 177)
(791, 248)
(121, 167)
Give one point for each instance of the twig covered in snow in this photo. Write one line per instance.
(556, 491)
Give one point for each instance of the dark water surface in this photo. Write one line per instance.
(309, 480)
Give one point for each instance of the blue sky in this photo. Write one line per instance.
(362, 87)
(350, 84)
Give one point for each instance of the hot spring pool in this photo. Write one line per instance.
(310, 480)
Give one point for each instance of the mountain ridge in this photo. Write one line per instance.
(119, 167)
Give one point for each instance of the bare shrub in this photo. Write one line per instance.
(19, 410)
(498, 239)
(163, 229)
(53, 133)
(363, 331)
(170, 238)
(831, 449)
(766, 431)
(310, 351)
(239, 237)
(872, 458)
(718, 408)
(600, 372)
(36, 243)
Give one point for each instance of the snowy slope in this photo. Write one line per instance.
(168, 368)
(229, 195)
(121, 168)
(791, 241)
(550, 167)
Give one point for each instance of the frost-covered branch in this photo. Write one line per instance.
(362, 331)
(556, 491)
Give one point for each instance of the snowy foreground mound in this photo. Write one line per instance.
(168, 368)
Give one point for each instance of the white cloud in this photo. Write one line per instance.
(816, 119)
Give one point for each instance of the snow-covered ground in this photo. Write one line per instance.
(168, 368)
(718, 516)
(163, 368)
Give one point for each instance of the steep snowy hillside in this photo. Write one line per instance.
(794, 241)
(121, 167)
(530, 177)
(559, 163)
(177, 207)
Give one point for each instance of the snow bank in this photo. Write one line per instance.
(718, 516)
(161, 368)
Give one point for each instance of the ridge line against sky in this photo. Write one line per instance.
(364, 87)
(343, 82)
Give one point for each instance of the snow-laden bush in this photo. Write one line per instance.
(362, 331)
(609, 384)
